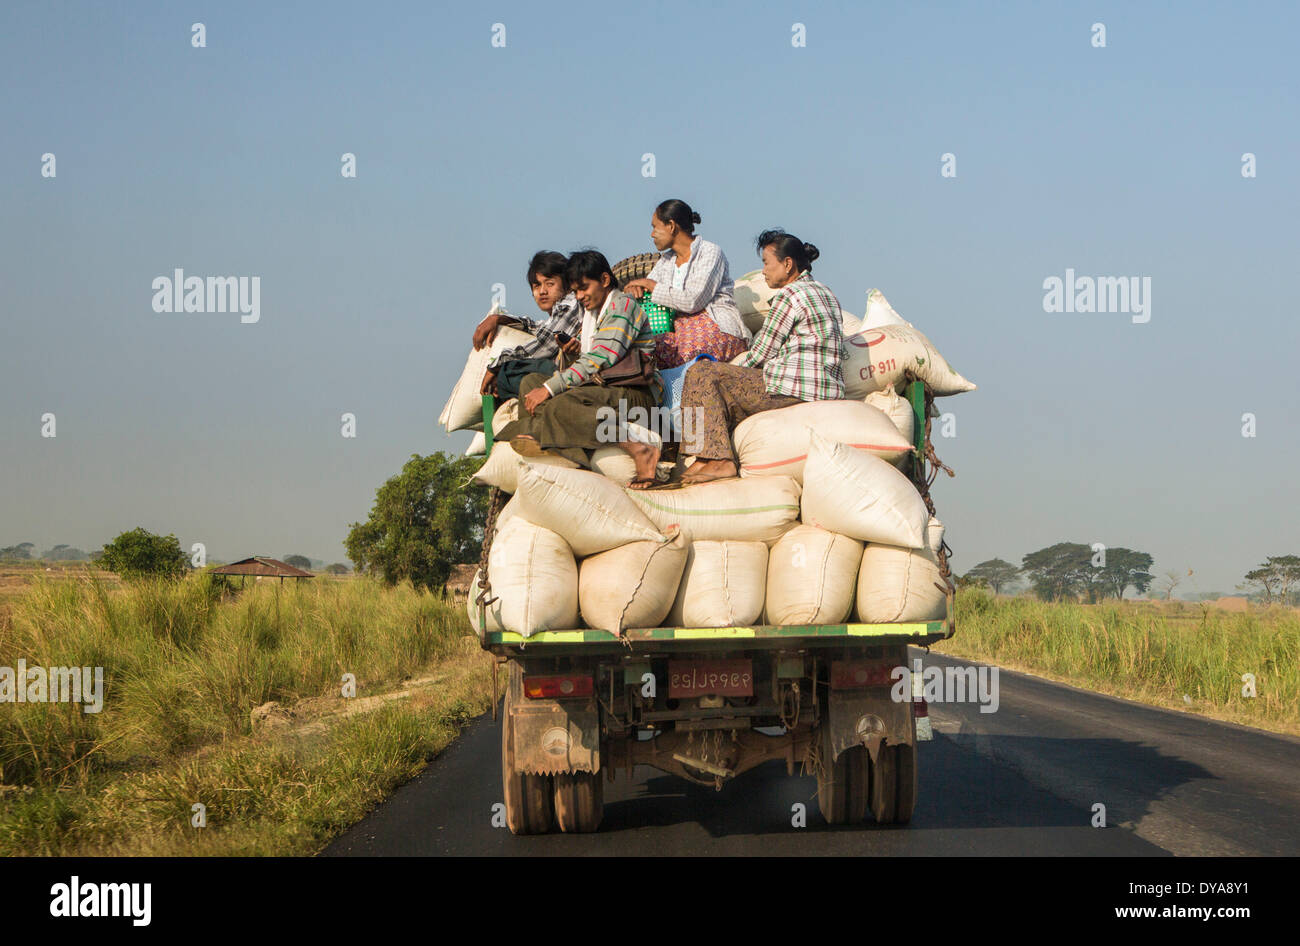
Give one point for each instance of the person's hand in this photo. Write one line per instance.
(572, 348)
(535, 397)
(489, 385)
(638, 286)
(486, 331)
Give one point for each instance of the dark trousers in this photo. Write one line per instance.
(577, 420)
(510, 373)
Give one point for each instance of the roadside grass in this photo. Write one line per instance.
(1134, 651)
(184, 666)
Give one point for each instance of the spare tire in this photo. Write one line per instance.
(634, 267)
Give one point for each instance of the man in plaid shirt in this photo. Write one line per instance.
(798, 349)
(558, 332)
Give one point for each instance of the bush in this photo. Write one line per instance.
(141, 554)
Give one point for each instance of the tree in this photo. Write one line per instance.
(141, 554)
(1168, 582)
(298, 561)
(1276, 577)
(64, 553)
(1061, 571)
(1125, 567)
(995, 573)
(424, 520)
(20, 552)
(338, 568)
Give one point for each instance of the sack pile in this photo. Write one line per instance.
(822, 527)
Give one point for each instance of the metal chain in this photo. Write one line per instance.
(495, 505)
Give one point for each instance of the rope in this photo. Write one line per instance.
(924, 481)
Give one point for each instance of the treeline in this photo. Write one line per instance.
(1074, 571)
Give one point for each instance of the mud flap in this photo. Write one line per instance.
(868, 718)
(553, 737)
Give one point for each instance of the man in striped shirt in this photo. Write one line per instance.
(567, 412)
(795, 357)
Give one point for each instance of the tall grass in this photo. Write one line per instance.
(1135, 651)
(184, 665)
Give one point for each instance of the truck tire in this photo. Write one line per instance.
(634, 267)
(579, 801)
(907, 784)
(894, 785)
(884, 785)
(843, 785)
(527, 797)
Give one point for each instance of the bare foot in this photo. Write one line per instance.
(704, 471)
(646, 458)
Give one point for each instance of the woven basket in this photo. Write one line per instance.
(661, 318)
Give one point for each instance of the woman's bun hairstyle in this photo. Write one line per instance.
(788, 246)
(678, 212)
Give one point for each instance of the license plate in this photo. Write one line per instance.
(688, 678)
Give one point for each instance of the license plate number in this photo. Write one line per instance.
(688, 678)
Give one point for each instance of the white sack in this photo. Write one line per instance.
(880, 312)
(810, 577)
(722, 585)
(776, 442)
(593, 514)
(758, 509)
(533, 572)
(631, 586)
(902, 585)
(900, 413)
(502, 467)
(464, 409)
(861, 496)
(875, 358)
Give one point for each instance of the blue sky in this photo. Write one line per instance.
(1117, 161)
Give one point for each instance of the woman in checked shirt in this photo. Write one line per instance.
(795, 357)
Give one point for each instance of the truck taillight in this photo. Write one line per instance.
(558, 686)
(857, 674)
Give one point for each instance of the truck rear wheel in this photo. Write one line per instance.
(843, 785)
(894, 784)
(579, 801)
(527, 797)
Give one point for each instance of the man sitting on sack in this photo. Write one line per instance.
(548, 279)
(564, 413)
(795, 357)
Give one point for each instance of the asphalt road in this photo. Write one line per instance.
(1022, 780)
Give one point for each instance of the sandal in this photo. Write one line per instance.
(654, 484)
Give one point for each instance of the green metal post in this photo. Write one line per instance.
(916, 397)
(489, 408)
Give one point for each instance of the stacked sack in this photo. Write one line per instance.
(822, 527)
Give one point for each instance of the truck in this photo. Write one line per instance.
(708, 704)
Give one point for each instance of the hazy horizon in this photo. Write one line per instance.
(1122, 161)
